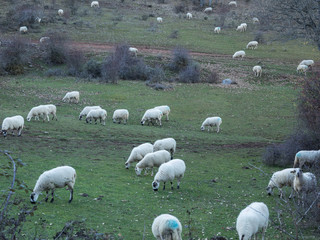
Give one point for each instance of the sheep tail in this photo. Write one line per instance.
(296, 160)
(172, 224)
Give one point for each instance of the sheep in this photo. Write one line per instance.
(189, 15)
(309, 63)
(280, 179)
(232, 3)
(252, 45)
(255, 20)
(71, 96)
(217, 30)
(168, 144)
(169, 171)
(159, 19)
(58, 177)
(150, 160)
(244, 25)
(138, 153)
(238, 54)
(306, 157)
(38, 19)
(44, 39)
(302, 69)
(60, 12)
(95, 4)
(211, 122)
(120, 115)
(257, 71)
(86, 110)
(23, 29)
(164, 109)
(38, 111)
(152, 115)
(12, 123)
(208, 10)
(251, 219)
(240, 28)
(52, 109)
(97, 114)
(133, 50)
(166, 227)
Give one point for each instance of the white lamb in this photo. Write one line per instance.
(96, 114)
(257, 71)
(239, 54)
(58, 177)
(232, 3)
(255, 20)
(217, 30)
(211, 122)
(189, 15)
(240, 28)
(252, 45)
(281, 179)
(168, 144)
(309, 63)
(168, 172)
(60, 12)
(152, 115)
(150, 160)
(302, 69)
(86, 110)
(165, 110)
(52, 109)
(166, 227)
(244, 25)
(73, 96)
(159, 19)
(133, 50)
(23, 29)
(306, 157)
(12, 123)
(120, 115)
(138, 153)
(251, 219)
(95, 4)
(39, 111)
(208, 10)
(44, 39)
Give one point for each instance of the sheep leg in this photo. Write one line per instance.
(52, 195)
(291, 194)
(171, 185)
(46, 199)
(167, 117)
(19, 131)
(71, 195)
(218, 129)
(160, 122)
(164, 185)
(263, 232)
(48, 118)
(151, 171)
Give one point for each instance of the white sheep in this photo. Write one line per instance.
(152, 115)
(302, 69)
(73, 96)
(165, 110)
(86, 110)
(189, 15)
(211, 122)
(281, 179)
(240, 28)
(38, 19)
(309, 63)
(257, 71)
(251, 219)
(255, 20)
(95, 4)
(12, 123)
(44, 39)
(52, 109)
(96, 114)
(39, 111)
(58, 177)
(168, 172)
(244, 25)
(133, 50)
(137, 153)
(217, 30)
(239, 54)
(252, 45)
(60, 12)
(166, 227)
(159, 19)
(150, 160)
(306, 157)
(208, 10)
(23, 29)
(232, 3)
(120, 115)
(168, 144)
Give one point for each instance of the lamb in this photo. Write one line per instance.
(95, 4)
(208, 10)
(240, 28)
(232, 3)
(133, 50)
(257, 71)
(120, 115)
(23, 29)
(306, 157)
(280, 179)
(159, 19)
(252, 45)
(244, 25)
(52, 109)
(60, 12)
(309, 63)
(302, 69)
(255, 20)
(97, 114)
(86, 110)
(12, 123)
(150, 160)
(169, 171)
(73, 96)
(189, 15)
(58, 177)
(44, 39)
(166, 227)
(168, 144)
(251, 219)
(164, 109)
(239, 54)
(217, 30)
(138, 153)
(152, 115)
(39, 111)
(211, 122)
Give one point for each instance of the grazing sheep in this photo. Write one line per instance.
(252, 45)
(189, 15)
(52, 109)
(97, 114)
(60, 12)
(12, 123)
(211, 122)
(120, 115)
(44, 39)
(281, 179)
(164, 109)
(71, 96)
(240, 28)
(251, 219)
(309, 63)
(150, 160)
(244, 25)
(239, 54)
(159, 19)
(95, 4)
(208, 10)
(302, 69)
(138, 153)
(86, 110)
(232, 3)
(166, 227)
(58, 177)
(255, 20)
(257, 71)
(38, 19)
(217, 30)
(23, 29)
(168, 172)
(152, 115)
(168, 144)
(39, 111)
(133, 50)
(306, 157)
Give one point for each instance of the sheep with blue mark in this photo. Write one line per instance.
(167, 227)
(306, 158)
(211, 122)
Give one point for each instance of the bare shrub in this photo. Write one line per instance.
(191, 74)
(93, 69)
(156, 75)
(110, 69)
(174, 34)
(55, 49)
(213, 77)
(259, 37)
(75, 61)
(180, 8)
(55, 72)
(180, 59)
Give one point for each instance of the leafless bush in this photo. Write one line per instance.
(213, 77)
(180, 60)
(55, 49)
(191, 74)
(75, 61)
